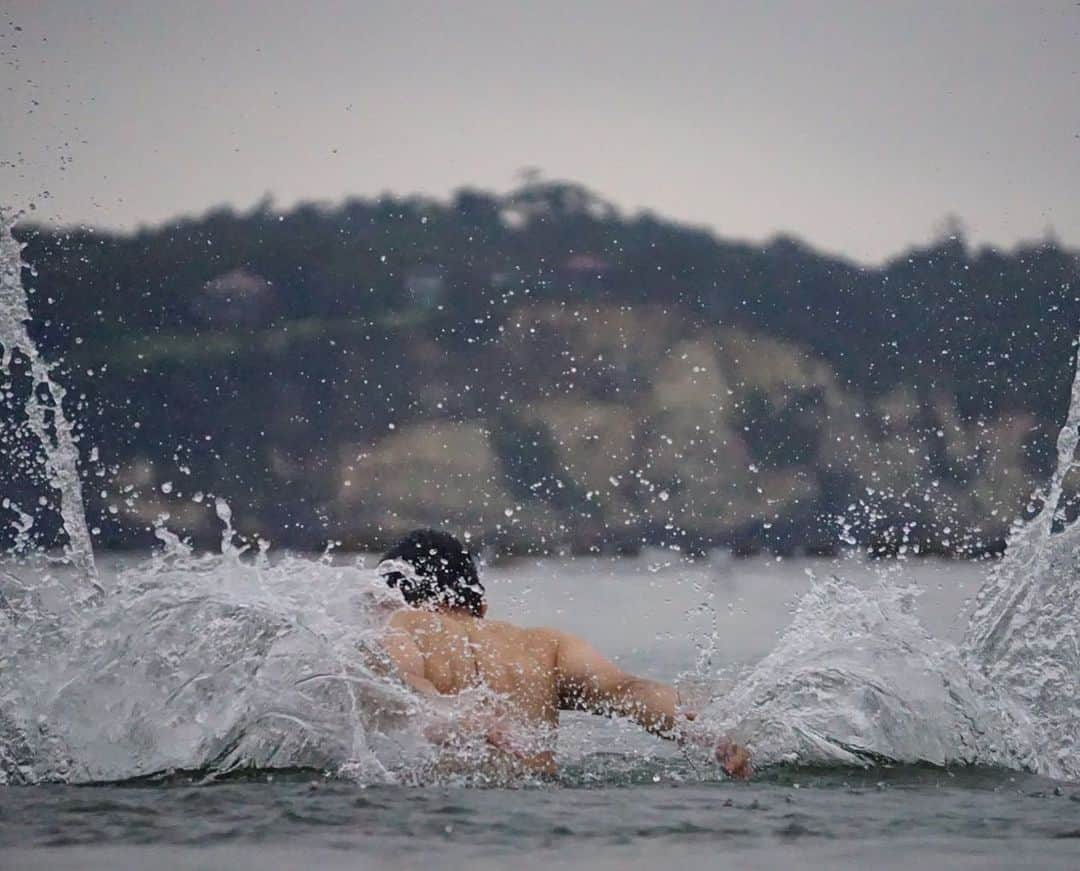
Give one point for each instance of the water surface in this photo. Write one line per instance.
(886, 818)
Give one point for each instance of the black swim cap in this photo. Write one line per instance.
(444, 572)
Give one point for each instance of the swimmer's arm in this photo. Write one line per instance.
(587, 681)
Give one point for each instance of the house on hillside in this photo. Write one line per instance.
(237, 298)
(585, 272)
(586, 265)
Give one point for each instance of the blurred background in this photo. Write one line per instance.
(571, 279)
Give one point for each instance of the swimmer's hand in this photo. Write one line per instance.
(501, 735)
(733, 758)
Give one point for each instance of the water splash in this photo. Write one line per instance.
(197, 662)
(211, 663)
(1023, 633)
(856, 680)
(215, 663)
(45, 416)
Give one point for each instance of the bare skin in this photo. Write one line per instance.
(538, 672)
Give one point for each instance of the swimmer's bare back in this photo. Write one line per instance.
(537, 672)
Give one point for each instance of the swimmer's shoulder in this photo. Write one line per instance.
(534, 637)
(504, 627)
(542, 639)
(415, 622)
(420, 623)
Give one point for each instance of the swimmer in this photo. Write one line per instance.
(442, 645)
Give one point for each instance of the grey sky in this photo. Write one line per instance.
(858, 126)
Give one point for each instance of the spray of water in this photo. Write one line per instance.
(855, 680)
(1023, 633)
(45, 416)
(215, 662)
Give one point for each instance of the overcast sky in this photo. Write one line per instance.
(856, 125)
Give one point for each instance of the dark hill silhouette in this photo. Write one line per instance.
(483, 359)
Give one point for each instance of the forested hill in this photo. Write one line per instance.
(549, 372)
